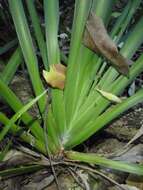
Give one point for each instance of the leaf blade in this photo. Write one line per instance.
(18, 115)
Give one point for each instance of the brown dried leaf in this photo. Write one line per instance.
(137, 136)
(97, 39)
(15, 158)
(56, 76)
(135, 180)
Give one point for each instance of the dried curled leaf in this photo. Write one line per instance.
(97, 39)
(56, 76)
(109, 96)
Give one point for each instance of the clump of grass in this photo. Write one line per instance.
(79, 110)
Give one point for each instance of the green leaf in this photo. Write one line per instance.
(101, 161)
(52, 130)
(94, 124)
(13, 101)
(25, 136)
(11, 67)
(38, 31)
(103, 8)
(4, 152)
(18, 115)
(26, 44)
(77, 52)
(52, 19)
(8, 46)
(51, 11)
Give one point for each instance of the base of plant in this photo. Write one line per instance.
(72, 158)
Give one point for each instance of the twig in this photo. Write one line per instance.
(73, 174)
(119, 152)
(94, 171)
(137, 135)
(128, 146)
(46, 144)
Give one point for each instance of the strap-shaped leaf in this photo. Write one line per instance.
(19, 114)
(101, 161)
